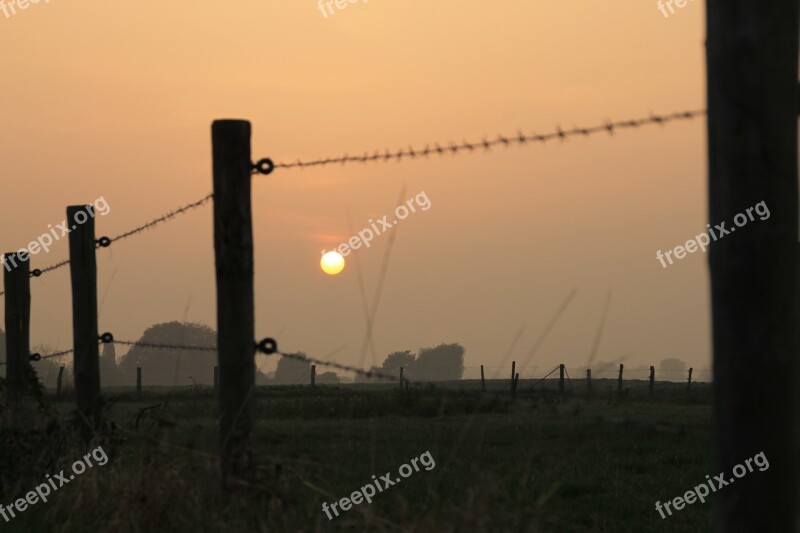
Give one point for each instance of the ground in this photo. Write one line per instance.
(545, 462)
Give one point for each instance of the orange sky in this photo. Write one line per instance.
(116, 100)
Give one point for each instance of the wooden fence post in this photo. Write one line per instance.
(513, 373)
(652, 379)
(589, 379)
(138, 382)
(401, 378)
(83, 277)
(16, 279)
(313, 375)
(561, 379)
(216, 380)
(233, 249)
(59, 381)
(752, 61)
(689, 384)
(514, 385)
(483, 381)
(619, 380)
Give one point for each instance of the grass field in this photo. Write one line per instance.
(542, 463)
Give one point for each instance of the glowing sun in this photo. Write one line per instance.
(332, 263)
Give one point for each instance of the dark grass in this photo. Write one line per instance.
(544, 463)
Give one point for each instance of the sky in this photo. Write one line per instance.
(116, 100)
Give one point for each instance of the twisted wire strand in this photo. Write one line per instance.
(348, 368)
(163, 218)
(519, 139)
(154, 222)
(167, 346)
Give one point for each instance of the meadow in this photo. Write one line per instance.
(542, 462)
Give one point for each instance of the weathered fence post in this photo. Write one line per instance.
(16, 279)
(138, 382)
(689, 383)
(216, 380)
(561, 378)
(619, 380)
(313, 375)
(483, 381)
(59, 381)
(401, 378)
(83, 276)
(233, 249)
(652, 379)
(513, 373)
(752, 61)
(589, 379)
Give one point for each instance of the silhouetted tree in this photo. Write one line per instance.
(442, 363)
(672, 364)
(292, 371)
(395, 360)
(172, 366)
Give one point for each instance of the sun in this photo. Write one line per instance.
(332, 263)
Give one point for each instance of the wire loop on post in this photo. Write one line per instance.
(264, 166)
(106, 338)
(36, 357)
(268, 346)
(103, 242)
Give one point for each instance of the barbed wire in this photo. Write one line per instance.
(104, 242)
(158, 220)
(166, 346)
(519, 139)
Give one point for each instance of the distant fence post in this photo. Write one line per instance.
(59, 381)
(401, 378)
(216, 380)
(514, 385)
(689, 384)
(233, 250)
(652, 379)
(83, 277)
(138, 382)
(513, 373)
(589, 379)
(16, 279)
(561, 379)
(619, 380)
(313, 375)
(483, 381)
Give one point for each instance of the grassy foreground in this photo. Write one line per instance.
(540, 464)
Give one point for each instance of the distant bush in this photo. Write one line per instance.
(292, 371)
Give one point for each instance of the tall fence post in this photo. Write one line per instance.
(233, 249)
(483, 381)
(589, 379)
(752, 94)
(513, 373)
(16, 279)
(313, 375)
(689, 382)
(59, 381)
(561, 378)
(652, 379)
(83, 277)
(619, 380)
(138, 382)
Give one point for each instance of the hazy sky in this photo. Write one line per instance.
(116, 99)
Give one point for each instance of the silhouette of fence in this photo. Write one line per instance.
(232, 171)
